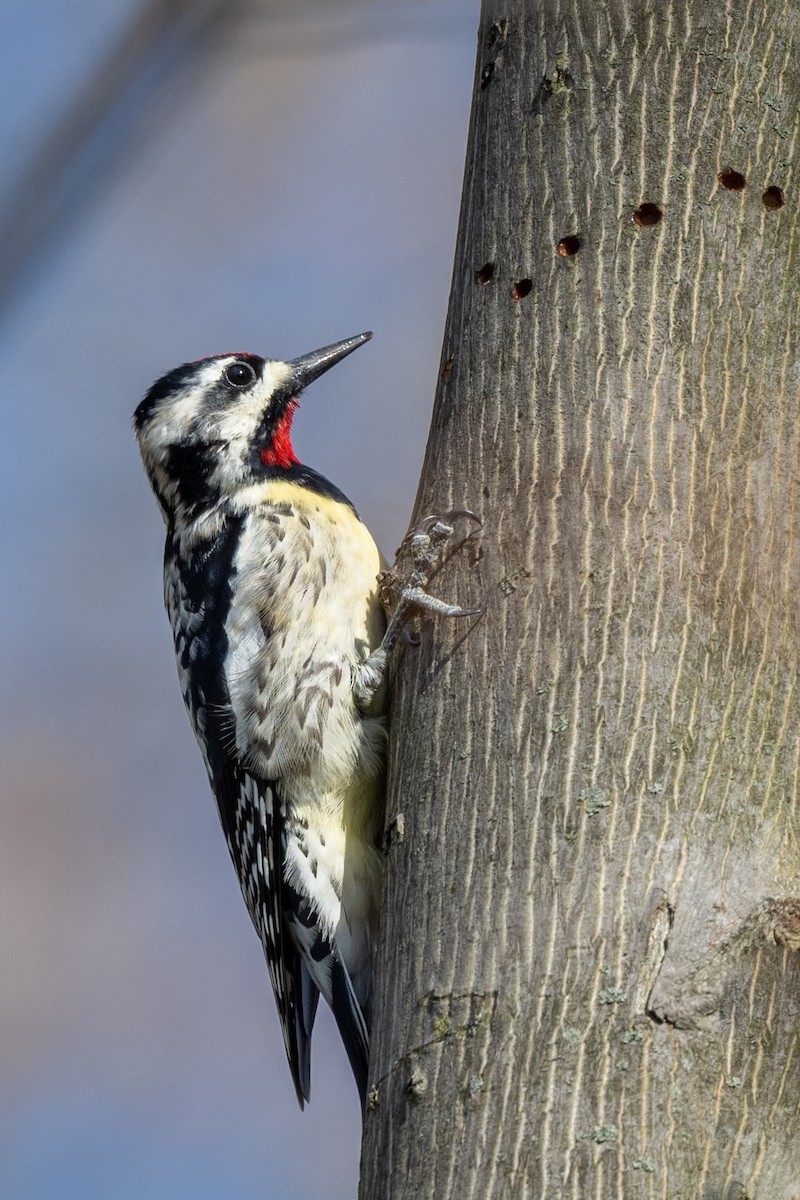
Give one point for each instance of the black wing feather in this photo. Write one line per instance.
(252, 820)
(197, 591)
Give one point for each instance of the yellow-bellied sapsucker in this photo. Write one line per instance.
(270, 582)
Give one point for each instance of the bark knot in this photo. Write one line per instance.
(785, 917)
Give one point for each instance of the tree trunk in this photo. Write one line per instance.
(589, 978)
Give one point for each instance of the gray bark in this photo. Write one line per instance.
(589, 978)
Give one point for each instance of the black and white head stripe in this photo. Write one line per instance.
(198, 426)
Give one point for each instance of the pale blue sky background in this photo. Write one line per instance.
(300, 184)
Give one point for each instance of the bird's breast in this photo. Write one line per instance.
(305, 612)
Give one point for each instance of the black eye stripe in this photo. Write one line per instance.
(240, 374)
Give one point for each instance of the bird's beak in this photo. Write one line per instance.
(310, 366)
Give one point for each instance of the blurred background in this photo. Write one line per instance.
(180, 179)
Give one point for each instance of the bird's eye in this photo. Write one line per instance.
(240, 374)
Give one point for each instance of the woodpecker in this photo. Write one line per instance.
(271, 587)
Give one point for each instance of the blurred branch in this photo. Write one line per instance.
(63, 171)
(94, 132)
(332, 24)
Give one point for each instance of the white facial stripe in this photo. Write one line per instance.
(174, 417)
(238, 422)
(232, 421)
(240, 419)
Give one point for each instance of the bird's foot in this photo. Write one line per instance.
(404, 590)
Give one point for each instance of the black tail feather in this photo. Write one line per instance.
(352, 1027)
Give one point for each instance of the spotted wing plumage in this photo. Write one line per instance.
(301, 959)
(197, 595)
(252, 820)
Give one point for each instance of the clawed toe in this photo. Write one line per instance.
(445, 521)
(430, 545)
(416, 597)
(404, 589)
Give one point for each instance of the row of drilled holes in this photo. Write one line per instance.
(735, 181)
(645, 215)
(519, 291)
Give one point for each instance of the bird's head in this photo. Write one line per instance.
(210, 427)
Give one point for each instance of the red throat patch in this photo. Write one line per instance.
(280, 451)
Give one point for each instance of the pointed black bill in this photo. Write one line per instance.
(310, 366)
